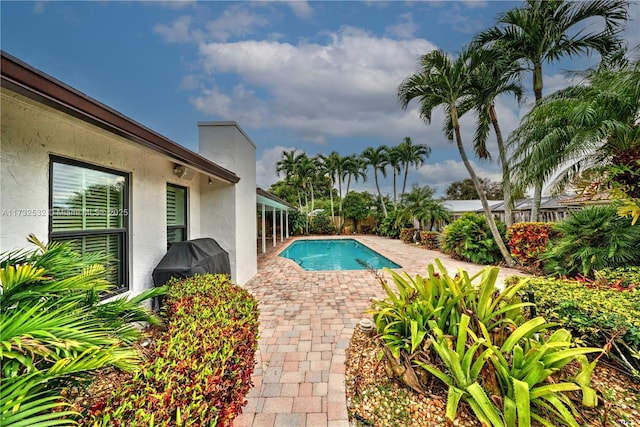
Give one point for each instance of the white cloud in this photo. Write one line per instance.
(462, 21)
(177, 32)
(344, 88)
(301, 8)
(405, 27)
(266, 166)
(235, 21)
(440, 175)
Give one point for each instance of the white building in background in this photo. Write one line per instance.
(75, 169)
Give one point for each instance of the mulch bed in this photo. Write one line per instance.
(376, 400)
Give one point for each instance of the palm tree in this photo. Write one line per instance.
(419, 204)
(307, 169)
(441, 81)
(545, 31)
(378, 160)
(493, 74)
(355, 167)
(288, 166)
(585, 127)
(410, 154)
(394, 161)
(331, 166)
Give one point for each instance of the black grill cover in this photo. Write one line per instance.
(186, 259)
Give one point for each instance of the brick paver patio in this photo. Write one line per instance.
(306, 322)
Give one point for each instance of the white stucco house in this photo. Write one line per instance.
(71, 168)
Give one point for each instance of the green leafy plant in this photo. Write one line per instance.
(591, 239)
(474, 338)
(54, 331)
(523, 366)
(621, 277)
(200, 369)
(469, 238)
(321, 224)
(599, 316)
(391, 225)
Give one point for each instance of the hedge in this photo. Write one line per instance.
(594, 314)
(201, 369)
(430, 240)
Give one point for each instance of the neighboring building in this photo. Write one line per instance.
(459, 207)
(552, 209)
(74, 169)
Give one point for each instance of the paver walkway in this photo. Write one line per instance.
(306, 322)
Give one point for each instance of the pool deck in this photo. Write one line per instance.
(307, 319)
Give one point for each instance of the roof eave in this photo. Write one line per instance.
(25, 80)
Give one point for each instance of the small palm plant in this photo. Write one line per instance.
(55, 332)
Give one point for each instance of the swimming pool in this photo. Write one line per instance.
(336, 254)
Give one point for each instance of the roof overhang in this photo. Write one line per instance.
(27, 81)
(267, 199)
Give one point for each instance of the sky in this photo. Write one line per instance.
(313, 76)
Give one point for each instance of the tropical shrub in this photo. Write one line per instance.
(201, 368)
(392, 224)
(297, 222)
(430, 239)
(469, 238)
(621, 277)
(475, 340)
(321, 224)
(407, 234)
(365, 229)
(527, 240)
(591, 239)
(55, 332)
(598, 316)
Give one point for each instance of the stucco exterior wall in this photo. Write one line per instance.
(226, 144)
(31, 132)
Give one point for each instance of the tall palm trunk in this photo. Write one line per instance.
(384, 208)
(340, 220)
(506, 179)
(395, 203)
(404, 182)
(537, 189)
(331, 198)
(483, 197)
(306, 205)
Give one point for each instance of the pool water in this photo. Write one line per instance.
(339, 254)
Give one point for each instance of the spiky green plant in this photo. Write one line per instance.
(55, 332)
(591, 239)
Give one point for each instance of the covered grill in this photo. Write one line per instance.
(186, 259)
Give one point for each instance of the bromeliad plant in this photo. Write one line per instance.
(474, 338)
(55, 332)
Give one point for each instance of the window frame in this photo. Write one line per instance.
(122, 232)
(184, 227)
